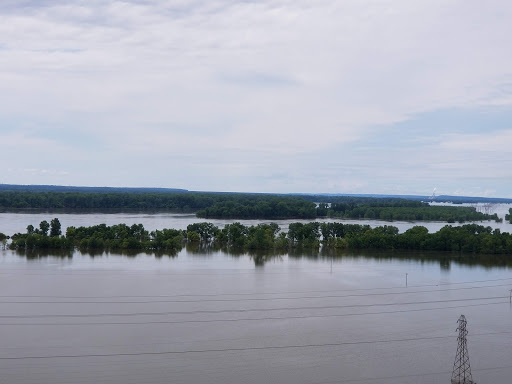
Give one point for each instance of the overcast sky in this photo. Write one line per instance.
(347, 96)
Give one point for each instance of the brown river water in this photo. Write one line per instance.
(207, 316)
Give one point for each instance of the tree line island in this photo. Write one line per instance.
(314, 235)
(468, 238)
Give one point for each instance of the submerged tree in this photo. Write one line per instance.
(3, 239)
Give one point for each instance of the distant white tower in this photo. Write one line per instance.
(433, 196)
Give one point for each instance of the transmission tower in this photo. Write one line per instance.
(461, 369)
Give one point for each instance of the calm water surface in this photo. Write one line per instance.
(204, 316)
(211, 317)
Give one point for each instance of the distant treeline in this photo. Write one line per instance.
(260, 207)
(106, 201)
(243, 206)
(326, 198)
(321, 198)
(405, 210)
(205, 204)
(358, 208)
(469, 238)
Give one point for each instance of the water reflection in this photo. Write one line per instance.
(261, 257)
(202, 248)
(444, 259)
(92, 253)
(37, 254)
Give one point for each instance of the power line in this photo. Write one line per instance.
(219, 311)
(191, 321)
(256, 293)
(241, 349)
(237, 300)
(244, 349)
(218, 340)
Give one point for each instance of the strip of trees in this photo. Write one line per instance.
(403, 210)
(261, 208)
(469, 238)
(208, 205)
(106, 201)
(244, 206)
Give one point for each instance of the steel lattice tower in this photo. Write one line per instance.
(461, 369)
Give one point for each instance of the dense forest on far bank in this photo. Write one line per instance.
(469, 238)
(240, 206)
(106, 201)
(267, 206)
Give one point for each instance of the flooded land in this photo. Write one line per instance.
(209, 316)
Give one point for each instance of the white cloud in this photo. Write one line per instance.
(215, 79)
(499, 141)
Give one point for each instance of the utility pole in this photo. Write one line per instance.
(406, 279)
(461, 368)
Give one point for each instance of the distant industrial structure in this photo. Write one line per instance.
(433, 196)
(487, 208)
(461, 368)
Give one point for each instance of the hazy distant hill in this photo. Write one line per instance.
(317, 197)
(329, 197)
(61, 188)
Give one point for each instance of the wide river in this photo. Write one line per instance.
(11, 223)
(205, 316)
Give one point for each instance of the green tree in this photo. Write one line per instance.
(3, 239)
(193, 237)
(206, 231)
(322, 209)
(236, 234)
(55, 228)
(44, 226)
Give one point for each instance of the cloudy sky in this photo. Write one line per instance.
(338, 96)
